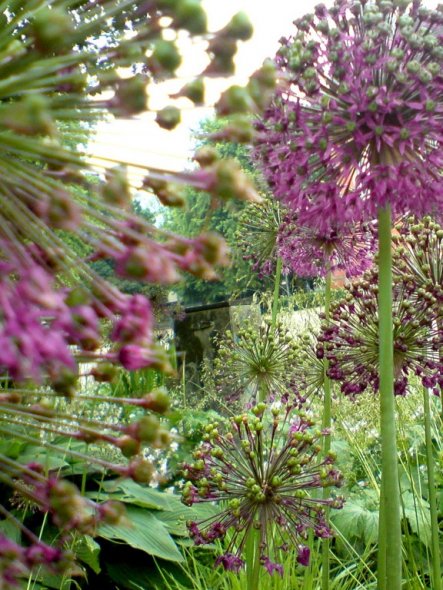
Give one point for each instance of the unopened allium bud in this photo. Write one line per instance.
(115, 190)
(189, 15)
(140, 470)
(165, 57)
(157, 400)
(130, 96)
(239, 27)
(194, 90)
(206, 156)
(53, 29)
(168, 118)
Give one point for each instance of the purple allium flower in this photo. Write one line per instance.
(418, 257)
(230, 562)
(60, 213)
(272, 567)
(356, 123)
(304, 554)
(262, 466)
(310, 252)
(351, 342)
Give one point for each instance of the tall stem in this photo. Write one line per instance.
(252, 560)
(276, 297)
(327, 408)
(436, 570)
(390, 526)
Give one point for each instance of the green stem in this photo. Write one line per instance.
(381, 561)
(436, 570)
(390, 526)
(327, 410)
(252, 560)
(275, 300)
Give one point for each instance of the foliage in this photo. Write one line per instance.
(202, 214)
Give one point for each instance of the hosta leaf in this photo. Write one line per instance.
(145, 532)
(88, 551)
(175, 520)
(131, 492)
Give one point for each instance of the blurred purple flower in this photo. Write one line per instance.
(312, 252)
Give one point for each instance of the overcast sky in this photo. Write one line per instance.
(140, 140)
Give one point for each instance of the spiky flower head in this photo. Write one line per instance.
(263, 467)
(309, 369)
(63, 66)
(350, 341)
(258, 234)
(418, 255)
(311, 252)
(256, 361)
(356, 124)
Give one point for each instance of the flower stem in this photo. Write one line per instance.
(436, 570)
(275, 301)
(390, 525)
(252, 560)
(327, 408)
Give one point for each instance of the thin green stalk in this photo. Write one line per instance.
(276, 298)
(381, 561)
(390, 525)
(327, 410)
(252, 560)
(436, 570)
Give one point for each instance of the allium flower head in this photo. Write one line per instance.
(351, 340)
(311, 252)
(357, 122)
(256, 360)
(262, 467)
(309, 369)
(258, 234)
(65, 65)
(418, 256)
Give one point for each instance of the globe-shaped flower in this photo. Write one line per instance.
(418, 257)
(64, 66)
(258, 234)
(309, 369)
(255, 362)
(351, 341)
(262, 467)
(356, 124)
(311, 252)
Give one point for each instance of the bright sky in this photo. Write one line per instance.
(140, 140)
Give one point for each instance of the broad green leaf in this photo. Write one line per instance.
(417, 511)
(176, 519)
(145, 532)
(38, 455)
(355, 520)
(88, 551)
(127, 490)
(10, 530)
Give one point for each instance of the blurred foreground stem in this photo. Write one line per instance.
(327, 407)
